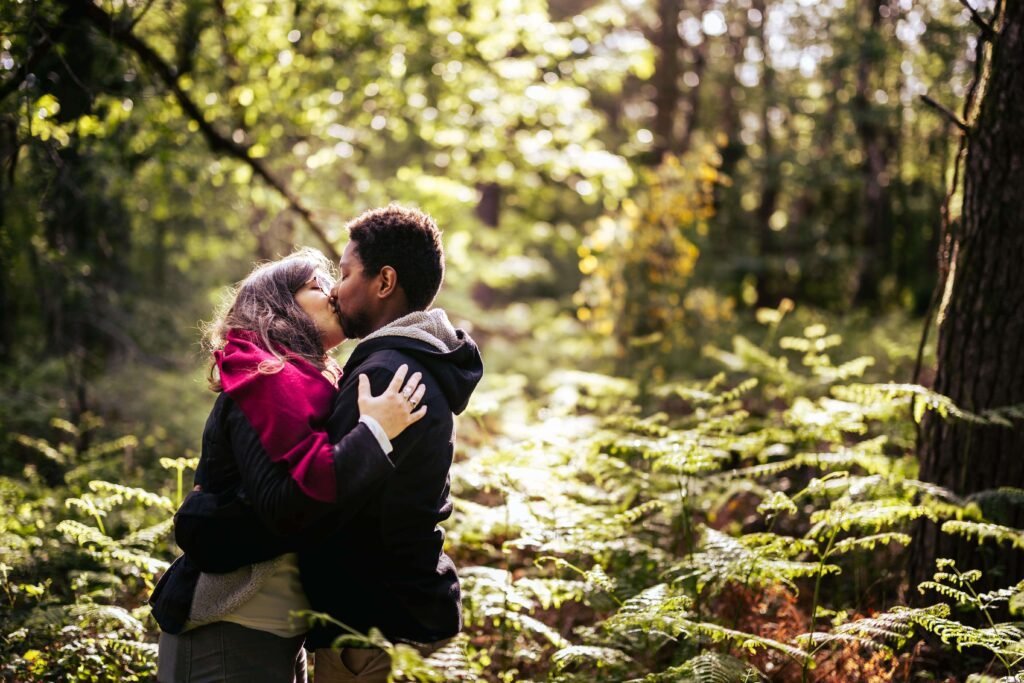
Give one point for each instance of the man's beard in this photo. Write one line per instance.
(355, 326)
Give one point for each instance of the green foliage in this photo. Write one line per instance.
(597, 539)
(790, 478)
(86, 617)
(710, 667)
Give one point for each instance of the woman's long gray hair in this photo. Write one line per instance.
(264, 303)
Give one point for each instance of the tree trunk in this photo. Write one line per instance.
(981, 328)
(699, 62)
(488, 208)
(767, 285)
(871, 131)
(666, 77)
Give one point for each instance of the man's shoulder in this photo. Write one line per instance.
(388, 359)
(387, 353)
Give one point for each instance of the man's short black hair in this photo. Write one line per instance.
(407, 240)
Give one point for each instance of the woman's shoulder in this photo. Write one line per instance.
(244, 361)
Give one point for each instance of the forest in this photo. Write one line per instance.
(745, 276)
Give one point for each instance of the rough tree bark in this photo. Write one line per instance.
(980, 354)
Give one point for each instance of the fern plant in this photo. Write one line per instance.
(112, 550)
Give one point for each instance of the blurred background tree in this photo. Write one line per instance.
(724, 155)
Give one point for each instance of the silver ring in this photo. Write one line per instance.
(413, 402)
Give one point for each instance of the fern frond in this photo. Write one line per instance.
(649, 426)
(890, 629)
(777, 502)
(869, 542)
(1001, 639)
(955, 594)
(709, 667)
(984, 678)
(108, 447)
(65, 426)
(831, 420)
(148, 536)
(452, 662)
(151, 565)
(91, 505)
(110, 617)
(924, 399)
(552, 592)
(982, 532)
(117, 494)
(42, 447)
(872, 515)
(768, 469)
(723, 559)
(749, 357)
(575, 655)
(146, 652)
(843, 372)
(654, 611)
(83, 534)
(179, 464)
(705, 395)
(871, 462)
(687, 455)
(595, 577)
(747, 641)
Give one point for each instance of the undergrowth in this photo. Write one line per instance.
(749, 527)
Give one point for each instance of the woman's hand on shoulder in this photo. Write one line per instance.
(395, 409)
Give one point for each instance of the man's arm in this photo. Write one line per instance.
(267, 517)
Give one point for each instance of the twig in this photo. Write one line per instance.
(947, 112)
(39, 51)
(216, 140)
(987, 32)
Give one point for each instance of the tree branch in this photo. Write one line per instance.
(947, 112)
(39, 50)
(217, 141)
(987, 32)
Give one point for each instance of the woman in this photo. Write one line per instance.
(276, 387)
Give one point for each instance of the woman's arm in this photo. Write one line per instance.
(224, 531)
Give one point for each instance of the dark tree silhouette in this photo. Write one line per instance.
(981, 330)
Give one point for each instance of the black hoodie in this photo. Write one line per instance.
(385, 567)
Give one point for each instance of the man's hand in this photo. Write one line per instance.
(394, 410)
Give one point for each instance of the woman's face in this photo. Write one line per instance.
(313, 297)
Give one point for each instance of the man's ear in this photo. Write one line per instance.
(388, 282)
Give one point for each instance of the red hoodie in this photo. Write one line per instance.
(287, 408)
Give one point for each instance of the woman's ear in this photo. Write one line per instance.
(388, 282)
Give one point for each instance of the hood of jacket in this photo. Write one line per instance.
(449, 354)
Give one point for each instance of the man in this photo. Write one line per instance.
(385, 567)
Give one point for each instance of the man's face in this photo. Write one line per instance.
(353, 295)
